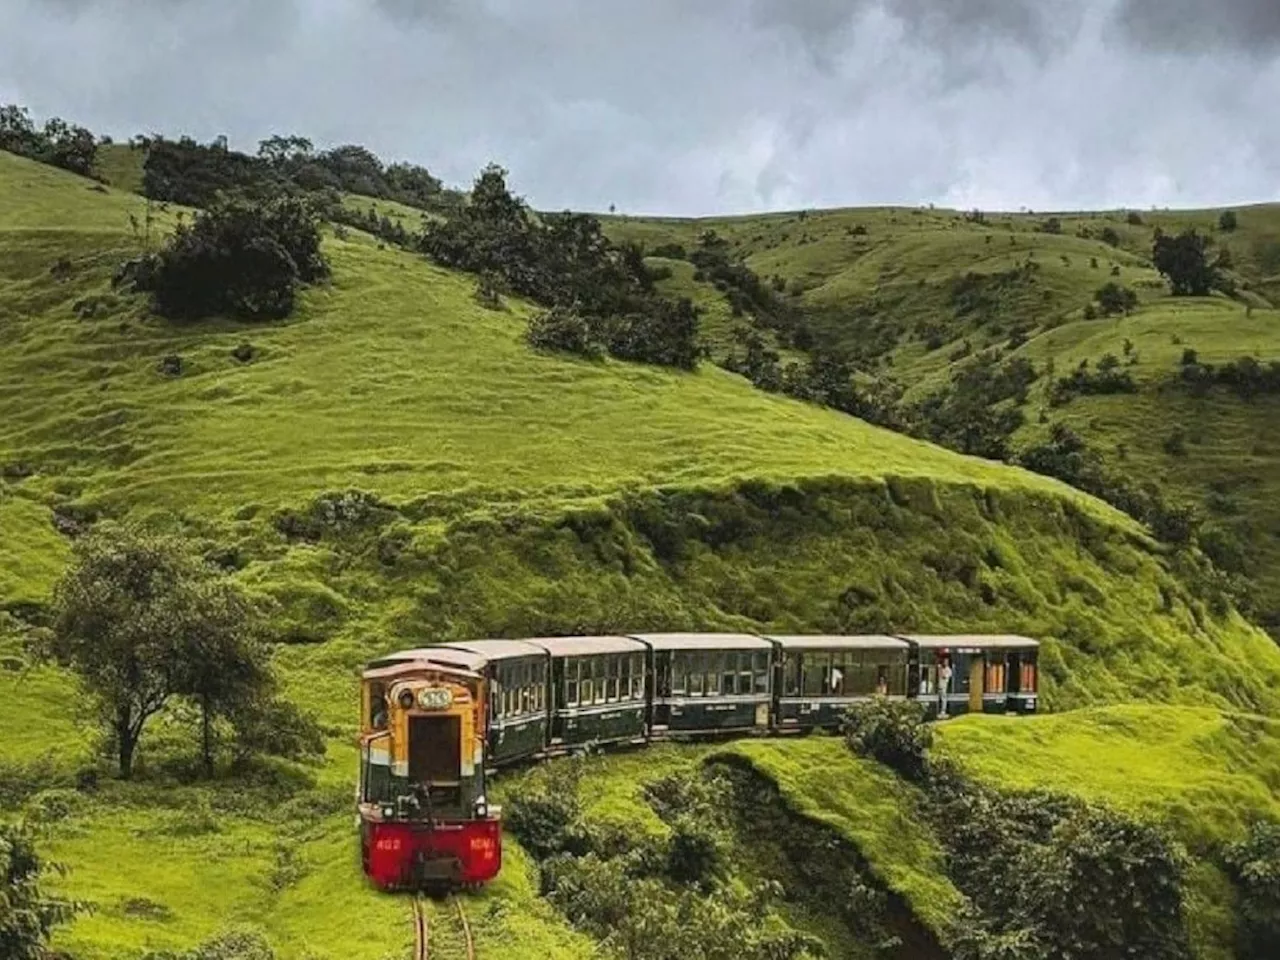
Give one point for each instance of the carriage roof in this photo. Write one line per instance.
(587, 646)
(998, 641)
(872, 641)
(702, 641)
(494, 650)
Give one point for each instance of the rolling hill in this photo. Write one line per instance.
(393, 463)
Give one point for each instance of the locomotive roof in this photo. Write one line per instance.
(703, 641)
(439, 657)
(872, 641)
(586, 646)
(990, 641)
(492, 650)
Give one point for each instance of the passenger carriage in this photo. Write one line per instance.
(989, 673)
(708, 682)
(517, 672)
(819, 677)
(597, 690)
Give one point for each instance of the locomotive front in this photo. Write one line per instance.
(424, 819)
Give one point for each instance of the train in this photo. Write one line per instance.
(438, 721)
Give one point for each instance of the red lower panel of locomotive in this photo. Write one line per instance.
(400, 855)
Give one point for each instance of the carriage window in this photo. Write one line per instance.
(1027, 678)
(882, 679)
(841, 677)
(600, 673)
(715, 667)
(791, 675)
(814, 680)
(584, 681)
(744, 673)
(994, 681)
(679, 674)
(697, 675)
(760, 670)
(929, 678)
(637, 676)
(613, 666)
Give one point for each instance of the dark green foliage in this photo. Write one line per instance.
(546, 815)
(1184, 261)
(1108, 378)
(563, 329)
(59, 144)
(894, 732)
(195, 174)
(1176, 443)
(564, 261)
(972, 414)
(1048, 871)
(746, 291)
(670, 251)
(1109, 236)
(1134, 219)
(1114, 298)
(369, 220)
(1228, 221)
(142, 619)
(232, 945)
(269, 724)
(27, 913)
(1254, 866)
(1051, 225)
(239, 258)
(1245, 376)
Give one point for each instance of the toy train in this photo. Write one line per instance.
(436, 721)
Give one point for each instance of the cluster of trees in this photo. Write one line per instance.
(1108, 377)
(1245, 376)
(58, 143)
(1184, 261)
(1044, 874)
(192, 173)
(145, 621)
(371, 222)
(980, 409)
(747, 293)
(1254, 866)
(1065, 455)
(239, 257)
(826, 377)
(601, 296)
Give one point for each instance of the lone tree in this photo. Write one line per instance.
(1184, 261)
(142, 618)
(27, 915)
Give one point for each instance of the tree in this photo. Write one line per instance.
(223, 665)
(1115, 298)
(1254, 866)
(130, 612)
(27, 915)
(1184, 261)
(278, 150)
(70, 147)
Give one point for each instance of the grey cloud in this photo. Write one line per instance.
(674, 107)
(1194, 25)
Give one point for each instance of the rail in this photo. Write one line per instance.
(422, 935)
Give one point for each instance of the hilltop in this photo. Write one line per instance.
(394, 463)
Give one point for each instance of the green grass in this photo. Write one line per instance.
(1201, 774)
(523, 493)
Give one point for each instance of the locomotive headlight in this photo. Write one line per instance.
(481, 807)
(406, 699)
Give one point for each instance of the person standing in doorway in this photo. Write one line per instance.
(944, 686)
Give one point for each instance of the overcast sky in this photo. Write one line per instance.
(700, 106)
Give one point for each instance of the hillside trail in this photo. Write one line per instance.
(441, 929)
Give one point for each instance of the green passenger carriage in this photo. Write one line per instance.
(820, 677)
(703, 682)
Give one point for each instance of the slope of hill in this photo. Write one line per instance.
(395, 464)
(916, 293)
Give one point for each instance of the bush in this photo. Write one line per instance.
(1114, 298)
(27, 914)
(1109, 236)
(238, 258)
(894, 732)
(1134, 219)
(1228, 221)
(59, 144)
(1254, 867)
(562, 329)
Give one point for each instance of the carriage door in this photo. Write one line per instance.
(977, 671)
(435, 750)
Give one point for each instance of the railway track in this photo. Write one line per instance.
(431, 943)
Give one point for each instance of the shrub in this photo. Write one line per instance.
(670, 251)
(1113, 298)
(1051, 225)
(239, 258)
(1134, 219)
(1254, 867)
(1228, 221)
(1184, 261)
(29, 914)
(1109, 236)
(562, 329)
(894, 732)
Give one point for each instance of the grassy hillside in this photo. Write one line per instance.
(394, 464)
(890, 285)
